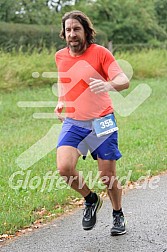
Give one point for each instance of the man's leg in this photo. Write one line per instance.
(67, 158)
(107, 170)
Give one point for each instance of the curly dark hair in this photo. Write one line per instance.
(84, 21)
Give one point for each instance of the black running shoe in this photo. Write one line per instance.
(118, 225)
(89, 214)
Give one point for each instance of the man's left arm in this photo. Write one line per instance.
(118, 83)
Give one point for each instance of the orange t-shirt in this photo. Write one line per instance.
(74, 77)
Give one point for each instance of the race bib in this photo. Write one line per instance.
(105, 125)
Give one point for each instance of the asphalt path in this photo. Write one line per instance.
(145, 210)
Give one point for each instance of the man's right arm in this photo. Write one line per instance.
(60, 105)
(58, 110)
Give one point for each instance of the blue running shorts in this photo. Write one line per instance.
(81, 135)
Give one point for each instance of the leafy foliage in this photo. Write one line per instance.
(161, 13)
(28, 37)
(128, 21)
(119, 21)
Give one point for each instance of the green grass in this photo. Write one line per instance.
(142, 134)
(147, 63)
(17, 68)
(142, 141)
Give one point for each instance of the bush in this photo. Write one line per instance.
(101, 38)
(29, 36)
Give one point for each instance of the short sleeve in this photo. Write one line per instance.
(109, 65)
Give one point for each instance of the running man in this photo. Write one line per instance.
(87, 72)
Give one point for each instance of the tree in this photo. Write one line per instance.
(122, 21)
(32, 12)
(27, 11)
(161, 13)
(7, 10)
(127, 21)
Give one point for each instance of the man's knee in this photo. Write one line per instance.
(65, 170)
(108, 180)
(67, 158)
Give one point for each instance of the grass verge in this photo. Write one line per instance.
(17, 68)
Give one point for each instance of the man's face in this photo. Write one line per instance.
(75, 35)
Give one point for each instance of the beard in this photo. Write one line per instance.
(76, 45)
